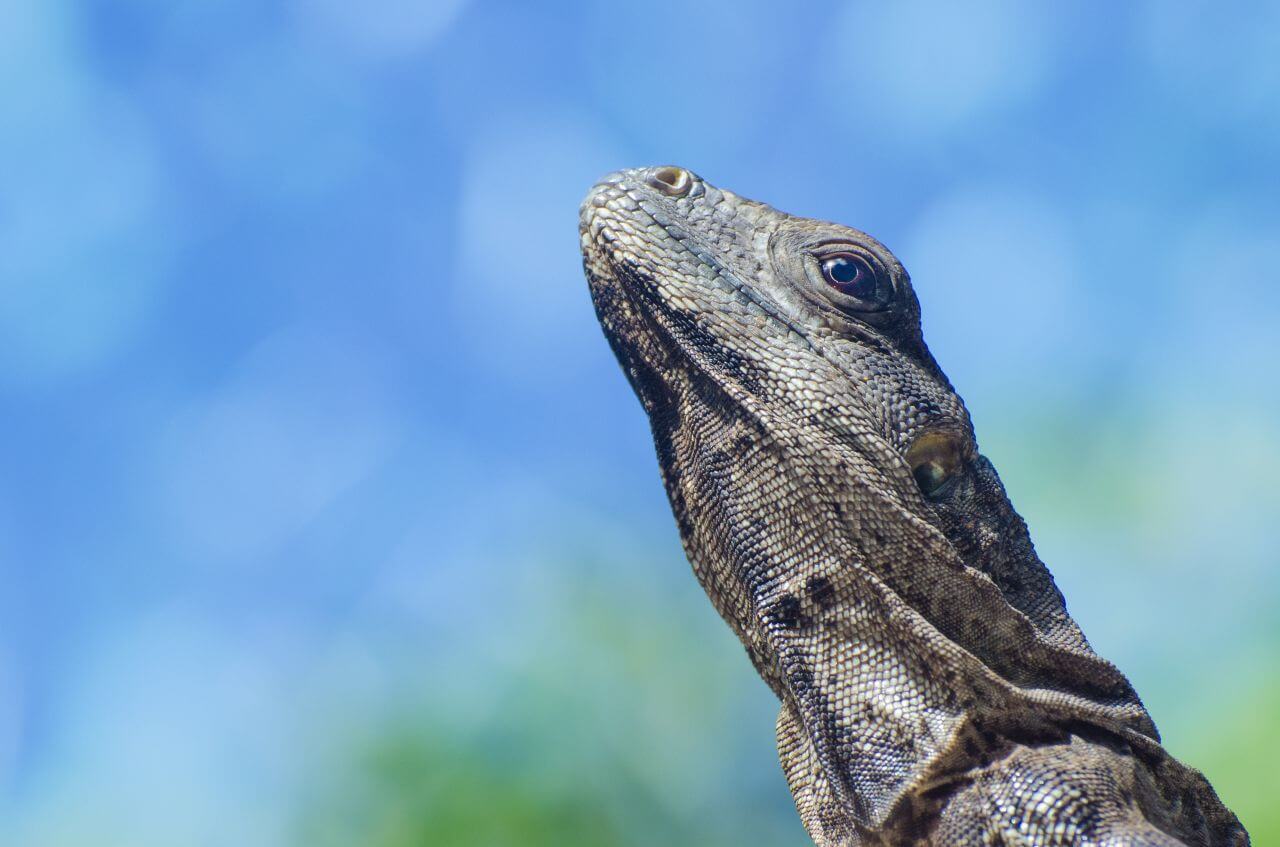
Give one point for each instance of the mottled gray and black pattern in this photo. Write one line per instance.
(831, 497)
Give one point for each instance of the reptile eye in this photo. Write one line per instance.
(855, 281)
(935, 459)
(850, 274)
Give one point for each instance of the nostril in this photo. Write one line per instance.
(670, 180)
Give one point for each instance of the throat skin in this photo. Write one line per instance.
(831, 497)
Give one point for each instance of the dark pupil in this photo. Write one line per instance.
(849, 276)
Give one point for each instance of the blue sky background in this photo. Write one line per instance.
(326, 515)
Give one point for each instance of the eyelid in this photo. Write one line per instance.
(827, 249)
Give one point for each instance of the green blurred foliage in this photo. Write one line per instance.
(635, 720)
(1238, 754)
(415, 789)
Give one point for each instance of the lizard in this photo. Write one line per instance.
(831, 498)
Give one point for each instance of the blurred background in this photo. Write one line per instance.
(326, 516)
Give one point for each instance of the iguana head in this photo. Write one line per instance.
(831, 496)
(812, 329)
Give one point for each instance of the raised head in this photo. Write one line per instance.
(832, 498)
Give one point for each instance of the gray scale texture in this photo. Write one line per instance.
(933, 688)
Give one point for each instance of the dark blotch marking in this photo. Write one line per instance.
(787, 612)
(801, 680)
(719, 463)
(821, 591)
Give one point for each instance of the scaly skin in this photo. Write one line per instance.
(832, 500)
